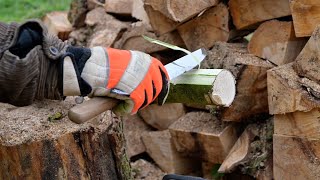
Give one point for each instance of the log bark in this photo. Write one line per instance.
(133, 40)
(308, 62)
(134, 127)
(162, 151)
(295, 157)
(200, 134)
(210, 27)
(122, 7)
(32, 147)
(106, 29)
(287, 92)
(161, 117)
(203, 87)
(306, 17)
(247, 14)
(301, 124)
(250, 72)
(58, 24)
(180, 11)
(276, 42)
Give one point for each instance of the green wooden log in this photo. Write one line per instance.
(203, 87)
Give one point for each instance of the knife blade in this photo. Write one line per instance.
(185, 63)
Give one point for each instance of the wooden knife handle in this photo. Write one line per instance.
(91, 108)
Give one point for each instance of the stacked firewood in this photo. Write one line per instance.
(266, 44)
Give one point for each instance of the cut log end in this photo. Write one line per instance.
(224, 89)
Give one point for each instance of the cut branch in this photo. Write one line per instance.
(203, 87)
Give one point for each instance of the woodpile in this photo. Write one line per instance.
(270, 131)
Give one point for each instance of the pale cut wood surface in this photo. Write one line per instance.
(162, 151)
(275, 41)
(180, 11)
(123, 7)
(301, 124)
(287, 92)
(161, 117)
(203, 31)
(308, 62)
(306, 16)
(159, 22)
(296, 158)
(248, 13)
(200, 134)
(134, 127)
(106, 29)
(238, 153)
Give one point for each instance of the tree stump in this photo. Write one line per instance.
(39, 142)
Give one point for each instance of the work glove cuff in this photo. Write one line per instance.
(7, 34)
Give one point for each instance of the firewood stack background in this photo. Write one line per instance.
(272, 47)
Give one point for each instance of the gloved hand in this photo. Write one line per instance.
(132, 76)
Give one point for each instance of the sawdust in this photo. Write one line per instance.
(20, 125)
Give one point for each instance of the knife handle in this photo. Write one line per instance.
(81, 113)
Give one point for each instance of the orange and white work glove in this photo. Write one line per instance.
(134, 77)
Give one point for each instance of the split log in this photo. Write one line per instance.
(210, 27)
(200, 134)
(122, 7)
(58, 24)
(161, 117)
(77, 13)
(287, 92)
(295, 157)
(306, 17)
(162, 151)
(133, 40)
(180, 11)
(301, 124)
(247, 14)
(139, 12)
(207, 168)
(275, 41)
(239, 152)
(308, 62)
(92, 4)
(252, 153)
(134, 127)
(251, 74)
(39, 142)
(106, 29)
(159, 22)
